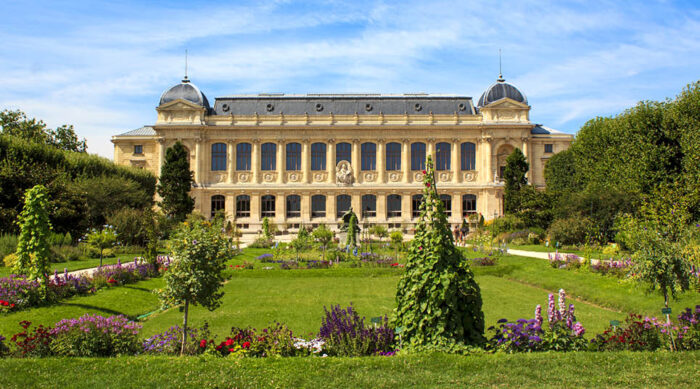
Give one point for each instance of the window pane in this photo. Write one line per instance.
(369, 206)
(468, 156)
(138, 149)
(293, 206)
(243, 206)
(267, 206)
(548, 148)
(447, 203)
(318, 206)
(218, 202)
(416, 201)
(343, 204)
(369, 156)
(243, 156)
(393, 206)
(269, 157)
(393, 156)
(418, 156)
(343, 152)
(218, 156)
(468, 204)
(318, 156)
(442, 156)
(293, 156)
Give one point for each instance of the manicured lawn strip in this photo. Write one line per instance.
(618, 369)
(544, 249)
(79, 265)
(624, 295)
(130, 300)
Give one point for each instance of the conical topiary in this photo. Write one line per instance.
(438, 301)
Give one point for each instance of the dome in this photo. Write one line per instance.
(186, 91)
(501, 89)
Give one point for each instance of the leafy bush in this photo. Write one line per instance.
(10, 259)
(32, 343)
(345, 334)
(130, 226)
(505, 224)
(95, 336)
(8, 244)
(636, 334)
(276, 340)
(573, 230)
(261, 243)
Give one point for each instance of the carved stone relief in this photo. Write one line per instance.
(395, 176)
(343, 173)
(470, 176)
(294, 176)
(320, 176)
(270, 176)
(243, 177)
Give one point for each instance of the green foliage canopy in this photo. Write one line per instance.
(175, 184)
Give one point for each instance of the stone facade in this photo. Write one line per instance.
(308, 164)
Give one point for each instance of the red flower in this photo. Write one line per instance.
(424, 172)
(229, 342)
(231, 350)
(246, 345)
(219, 347)
(203, 343)
(394, 264)
(12, 305)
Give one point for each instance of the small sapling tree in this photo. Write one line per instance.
(196, 275)
(323, 236)
(102, 239)
(397, 239)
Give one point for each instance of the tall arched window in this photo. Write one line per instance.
(369, 205)
(343, 152)
(218, 203)
(443, 154)
(342, 204)
(393, 205)
(447, 204)
(418, 156)
(369, 156)
(242, 206)
(318, 206)
(267, 206)
(293, 156)
(218, 156)
(318, 156)
(293, 206)
(468, 204)
(393, 156)
(269, 156)
(468, 156)
(243, 156)
(416, 201)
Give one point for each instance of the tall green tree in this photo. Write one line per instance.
(195, 276)
(438, 301)
(16, 123)
(515, 180)
(175, 183)
(33, 245)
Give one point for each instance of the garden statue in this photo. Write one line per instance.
(351, 227)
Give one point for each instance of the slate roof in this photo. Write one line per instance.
(143, 131)
(186, 91)
(501, 89)
(343, 104)
(542, 130)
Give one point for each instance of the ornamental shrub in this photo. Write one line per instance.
(95, 336)
(345, 334)
(438, 301)
(276, 340)
(32, 343)
(573, 230)
(32, 246)
(635, 334)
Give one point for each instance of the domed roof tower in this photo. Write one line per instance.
(185, 91)
(500, 90)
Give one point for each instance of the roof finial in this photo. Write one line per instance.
(500, 71)
(185, 79)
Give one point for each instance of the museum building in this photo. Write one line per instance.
(306, 159)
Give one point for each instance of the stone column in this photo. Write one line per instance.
(161, 155)
(280, 214)
(255, 208)
(231, 161)
(331, 210)
(526, 152)
(198, 161)
(406, 161)
(456, 166)
(230, 206)
(281, 151)
(457, 207)
(430, 149)
(306, 161)
(406, 211)
(330, 160)
(381, 161)
(356, 160)
(486, 157)
(306, 208)
(356, 204)
(255, 162)
(381, 207)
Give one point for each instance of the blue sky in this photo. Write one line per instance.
(103, 65)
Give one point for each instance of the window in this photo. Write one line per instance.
(468, 156)
(318, 156)
(393, 206)
(318, 206)
(267, 206)
(442, 156)
(293, 156)
(468, 204)
(242, 206)
(418, 156)
(243, 156)
(218, 202)
(342, 205)
(416, 201)
(138, 149)
(393, 156)
(269, 157)
(548, 148)
(369, 156)
(369, 205)
(447, 204)
(343, 152)
(293, 206)
(218, 156)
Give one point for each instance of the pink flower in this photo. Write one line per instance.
(203, 343)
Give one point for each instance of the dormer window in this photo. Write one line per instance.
(138, 149)
(548, 148)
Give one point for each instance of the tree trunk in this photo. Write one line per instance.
(184, 328)
(101, 257)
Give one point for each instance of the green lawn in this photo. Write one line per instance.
(79, 265)
(595, 253)
(560, 370)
